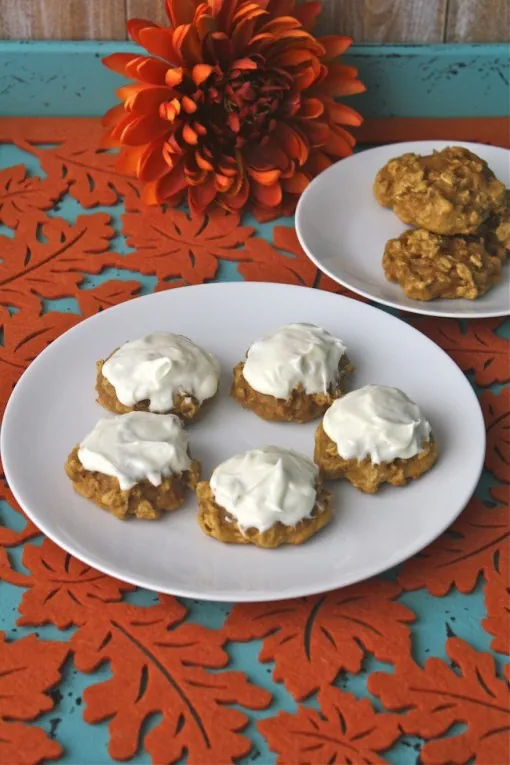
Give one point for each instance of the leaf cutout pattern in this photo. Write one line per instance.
(53, 268)
(88, 170)
(461, 554)
(345, 731)
(171, 244)
(435, 697)
(312, 639)
(22, 196)
(25, 336)
(28, 669)
(105, 295)
(496, 411)
(64, 590)
(160, 665)
(497, 587)
(479, 349)
(288, 264)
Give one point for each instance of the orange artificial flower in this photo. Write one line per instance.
(235, 104)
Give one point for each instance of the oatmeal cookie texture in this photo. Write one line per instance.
(429, 266)
(448, 192)
(162, 372)
(143, 500)
(267, 497)
(300, 407)
(136, 464)
(292, 374)
(363, 474)
(185, 406)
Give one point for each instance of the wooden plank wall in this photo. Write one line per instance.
(378, 21)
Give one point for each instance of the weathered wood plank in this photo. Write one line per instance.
(58, 20)
(384, 21)
(147, 9)
(478, 21)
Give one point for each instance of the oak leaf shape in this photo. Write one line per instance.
(28, 669)
(64, 590)
(496, 412)
(435, 697)
(159, 665)
(171, 244)
(346, 730)
(478, 349)
(105, 295)
(25, 335)
(53, 267)
(286, 263)
(497, 588)
(89, 172)
(461, 554)
(312, 639)
(22, 197)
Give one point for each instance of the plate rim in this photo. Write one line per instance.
(400, 146)
(234, 596)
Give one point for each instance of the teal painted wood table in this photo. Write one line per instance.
(406, 668)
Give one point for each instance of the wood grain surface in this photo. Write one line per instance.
(378, 21)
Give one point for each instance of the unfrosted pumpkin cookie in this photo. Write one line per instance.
(267, 497)
(452, 191)
(372, 436)
(137, 464)
(162, 373)
(292, 374)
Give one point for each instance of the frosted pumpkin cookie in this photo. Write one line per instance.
(452, 191)
(160, 373)
(292, 374)
(267, 497)
(137, 464)
(374, 435)
(429, 266)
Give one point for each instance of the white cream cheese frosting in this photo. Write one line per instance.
(264, 486)
(159, 366)
(377, 422)
(135, 446)
(296, 354)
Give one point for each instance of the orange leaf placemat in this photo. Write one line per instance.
(406, 667)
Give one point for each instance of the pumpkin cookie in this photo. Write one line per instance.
(162, 373)
(292, 374)
(137, 464)
(267, 497)
(372, 436)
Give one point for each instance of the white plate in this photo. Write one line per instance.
(343, 230)
(53, 407)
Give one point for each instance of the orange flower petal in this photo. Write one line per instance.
(158, 42)
(264, 177)
(249, 11)
(339, 81)
(117, 62)
(113, 115)
(334, 45)
(135, 26)
(236, 201)
(268, 196)
(307, 13)
(244, 63)
(149, 70)
(128, 161)
(171, 184)
(180, 11)
(292, 143)
(189, 135)
(153, 164)
(174, 76)
(310, 108)
(149, 100)
(202, 162)
(188, 105)
(345, 115)
(296, 184)
(337, 145)
(222, 182)
(200, 73)
(201, 196)
(142, 130)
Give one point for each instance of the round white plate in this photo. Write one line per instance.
(53, 407)
(343, 230)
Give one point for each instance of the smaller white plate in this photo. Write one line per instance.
(343, 230)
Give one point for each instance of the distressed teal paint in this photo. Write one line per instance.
(67, 79)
